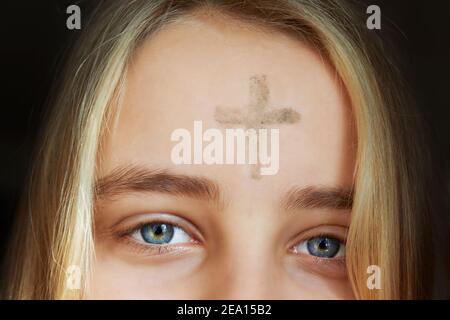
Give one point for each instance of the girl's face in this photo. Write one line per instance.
(165, 229)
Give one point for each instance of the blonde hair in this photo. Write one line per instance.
(390, 226)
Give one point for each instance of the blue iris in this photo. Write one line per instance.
(323, 247)
(157, 233)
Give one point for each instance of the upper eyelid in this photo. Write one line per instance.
(328, 235)
(188, 227)
(344, 242)
(165, 213)
(138, 226)
(311, 233)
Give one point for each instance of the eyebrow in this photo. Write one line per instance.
(318, 198)
(139, 179)
(126, 179)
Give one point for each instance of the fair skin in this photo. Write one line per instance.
(241, 241)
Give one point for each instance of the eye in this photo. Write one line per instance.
(322, 247)
(160, 233)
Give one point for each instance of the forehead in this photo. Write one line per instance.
(184, 72)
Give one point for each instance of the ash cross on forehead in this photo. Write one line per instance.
(258, 114)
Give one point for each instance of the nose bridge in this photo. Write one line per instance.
(245, 265)
(245, 275)
(247, 268)
(252, 281)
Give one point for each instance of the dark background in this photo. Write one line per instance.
(34, 40)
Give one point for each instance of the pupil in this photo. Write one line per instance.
(159, 230)
(323, 245)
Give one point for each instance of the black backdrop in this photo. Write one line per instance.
(34, 39)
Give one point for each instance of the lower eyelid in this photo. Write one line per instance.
(328, 267)
(147, 249)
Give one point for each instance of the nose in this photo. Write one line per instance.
(245, 256)
(249, 264)
(245, 273)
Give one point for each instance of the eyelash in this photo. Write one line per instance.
(126, 236)
(320, 235)
(329, 266)
(316, 264)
